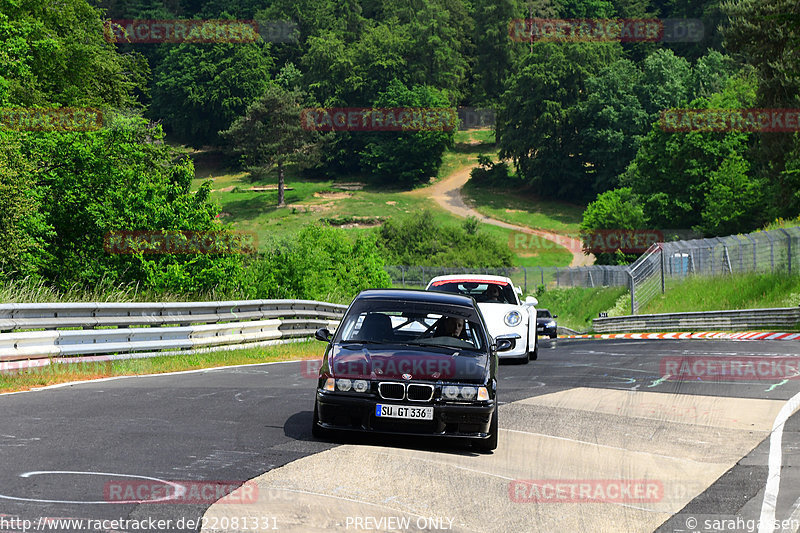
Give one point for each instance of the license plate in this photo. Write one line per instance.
(404, 411)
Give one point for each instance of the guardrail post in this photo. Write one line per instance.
(788, 249)
(632, 289)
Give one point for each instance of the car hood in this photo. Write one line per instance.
(357, 361)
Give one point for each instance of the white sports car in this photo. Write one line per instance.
(505, 315)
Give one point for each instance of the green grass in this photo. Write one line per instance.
(577, 306)
(63, 373)
(311, 200)
(739, 291)
(520, 205)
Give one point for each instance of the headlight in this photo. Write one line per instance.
(513, 319)
(466, 393)
(347, 385)
(450, 392)
(551, 324)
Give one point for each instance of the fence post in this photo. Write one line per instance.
(525, 270)
(403, 275)
(542, 271)
(788, 249)
(632, 289)
(663, 285)
(558, 282)
(771, 251)
(755, 252)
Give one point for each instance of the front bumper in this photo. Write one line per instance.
(351, 413)
(546, 330)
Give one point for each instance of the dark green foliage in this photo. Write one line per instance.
(420, 241)
(55, 53)
(122, 178)
(408, 157)
(200, 89)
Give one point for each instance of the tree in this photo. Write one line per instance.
(56, 54)
(123, 177)
(618, 209)
(613, 122)
(407, 157)
(538, 122)
(492, 49)
(271, 134)
(700, 179)
(200, 89)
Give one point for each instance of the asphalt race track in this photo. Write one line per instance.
(594, 437)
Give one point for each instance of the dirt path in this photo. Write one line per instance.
(447, 193)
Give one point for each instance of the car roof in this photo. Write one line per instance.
(477, 278)
(417, 295)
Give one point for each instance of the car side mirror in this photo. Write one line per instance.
(503, 345)
(555, 316)
(322, 334)
(531, 300)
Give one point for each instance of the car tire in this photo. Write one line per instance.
(316, 430)
(490, 443)
(554, 335)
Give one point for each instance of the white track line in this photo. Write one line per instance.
(767, 520)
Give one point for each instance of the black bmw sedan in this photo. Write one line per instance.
(410, 362)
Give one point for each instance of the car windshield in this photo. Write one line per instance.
(487, 292)
(387, 322)
(543, 313)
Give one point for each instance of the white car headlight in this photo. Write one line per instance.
(551, 324)
(513, 319)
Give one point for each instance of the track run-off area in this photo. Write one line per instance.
(596, 435)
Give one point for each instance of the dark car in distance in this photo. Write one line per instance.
(546, 323)
(410, 362)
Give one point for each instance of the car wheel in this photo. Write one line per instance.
(316, 430)
(490, 443)
(554, 335)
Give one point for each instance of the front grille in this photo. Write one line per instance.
(391, 391)
(420, 393)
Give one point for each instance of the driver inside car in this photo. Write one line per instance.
(450, 327)
(493, 293)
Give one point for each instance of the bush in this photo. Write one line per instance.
(419, 241)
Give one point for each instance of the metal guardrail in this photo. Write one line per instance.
(744, 319)
(108, 328)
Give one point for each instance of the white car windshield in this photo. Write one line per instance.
(486, 292)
